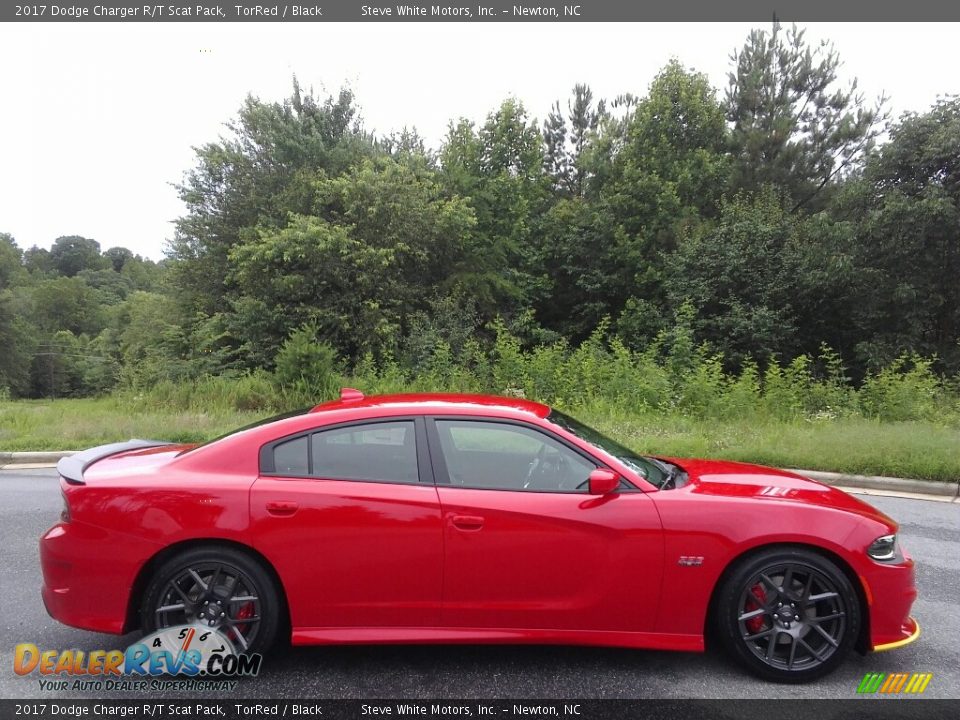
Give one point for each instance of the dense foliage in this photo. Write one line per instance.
(669, 249)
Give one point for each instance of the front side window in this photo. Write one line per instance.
(652, 471)
(503, 456)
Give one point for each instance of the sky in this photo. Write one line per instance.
(98, 121)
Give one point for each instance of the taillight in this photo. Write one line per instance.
(65, 513)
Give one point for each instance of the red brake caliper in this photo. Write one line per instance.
(245, 612)
(757, 599)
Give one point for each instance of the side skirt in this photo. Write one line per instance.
(505, 636)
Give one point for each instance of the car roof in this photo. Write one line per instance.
(352, 406)
(444, 403)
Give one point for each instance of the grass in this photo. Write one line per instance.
(914, 449)
(72, 424)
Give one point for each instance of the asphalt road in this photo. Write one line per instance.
(30, 502)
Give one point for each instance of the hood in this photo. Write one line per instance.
(766, 484)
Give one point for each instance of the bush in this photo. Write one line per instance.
(671, 377)
(905, 390)
(306, 369)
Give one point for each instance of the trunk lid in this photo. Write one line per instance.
(117, 459)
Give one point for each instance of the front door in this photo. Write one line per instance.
(526, 546)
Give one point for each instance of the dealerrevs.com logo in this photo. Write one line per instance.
(184, 657)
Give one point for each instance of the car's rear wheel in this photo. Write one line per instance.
(788, 615)
(217, 587)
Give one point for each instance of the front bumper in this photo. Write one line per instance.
(910, 631)
(891, 591)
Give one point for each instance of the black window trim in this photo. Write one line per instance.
(442, 475)
(425, 474)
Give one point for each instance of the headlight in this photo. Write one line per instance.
(885, 549)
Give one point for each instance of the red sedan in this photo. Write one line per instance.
(471, 519)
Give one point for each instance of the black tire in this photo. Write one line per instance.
(788, 615)
(233, 581)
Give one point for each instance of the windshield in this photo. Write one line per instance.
(649, 469)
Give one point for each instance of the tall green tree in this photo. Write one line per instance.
(253, 178)
(118, 257)
(66, 303)
(657, 178)
(36, 261)
(907, 211)
(150, 341)
(382, 238)
(565, 148)
(575, 256)
(17, 344)
(499, 170)
(11, 260)
(556, 159)
(794, 126)
(72, 253)
(765, 283)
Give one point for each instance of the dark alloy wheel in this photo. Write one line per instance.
(789, 615)
(219, 588)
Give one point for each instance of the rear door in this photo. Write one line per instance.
(350, 518)
(527, 546)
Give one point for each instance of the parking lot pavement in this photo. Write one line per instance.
(30, 502)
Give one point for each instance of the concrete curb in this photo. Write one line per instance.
(24, 460)
(878, 482)
(31, 458)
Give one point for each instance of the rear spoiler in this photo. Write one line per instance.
(71, 468)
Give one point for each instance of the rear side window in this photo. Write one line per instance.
(290, 458)
(383, 452)
(377, 452)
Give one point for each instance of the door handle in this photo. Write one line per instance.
(467, 522)
(282, 508)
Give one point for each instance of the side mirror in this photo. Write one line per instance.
(603, 481)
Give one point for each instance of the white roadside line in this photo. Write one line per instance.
(27, 466)
(898, 494)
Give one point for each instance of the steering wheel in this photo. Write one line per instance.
(536, 463)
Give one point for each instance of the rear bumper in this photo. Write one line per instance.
(87, 577)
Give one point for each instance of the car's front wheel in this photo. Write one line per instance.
(788, 615)
(217, 587)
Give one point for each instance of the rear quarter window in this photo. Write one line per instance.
(292, 457)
